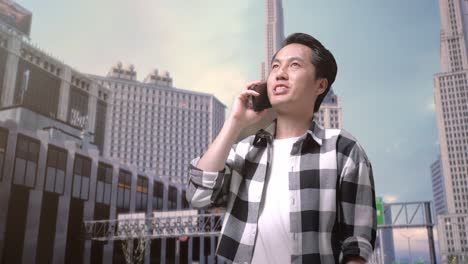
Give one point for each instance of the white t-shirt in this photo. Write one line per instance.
(272, 244)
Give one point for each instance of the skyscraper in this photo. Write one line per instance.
(274, 32)
(451, 94)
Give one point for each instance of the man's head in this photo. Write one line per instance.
(302, 73)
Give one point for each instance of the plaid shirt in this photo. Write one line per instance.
(331, 192)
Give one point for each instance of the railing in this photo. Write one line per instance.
(154, 227)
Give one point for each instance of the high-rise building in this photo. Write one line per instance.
(274, 33)
(438, 187)
(451, 100)
(155, 126)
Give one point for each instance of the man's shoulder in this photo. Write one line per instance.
(347, 143)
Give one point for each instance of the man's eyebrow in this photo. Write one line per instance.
(289, 59)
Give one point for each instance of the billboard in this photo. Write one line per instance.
(15, 16)
(380, 211)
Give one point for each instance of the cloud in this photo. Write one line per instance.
(199, 55)
(430, 105)
(390, 198)
(394, 146)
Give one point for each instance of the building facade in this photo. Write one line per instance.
(438, 187)
(72, 106)
(451, 100)
(155, 126)
(49, 187)
(330, 113)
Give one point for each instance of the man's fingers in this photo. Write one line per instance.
(249, 93)
(252, 83)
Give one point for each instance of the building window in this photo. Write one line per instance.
(142, 194)
(81, 177)
(123, 189)
(172, 198)
(104, 184)
(3, 145)
(27, 154)
(55, 170)
(158, 196)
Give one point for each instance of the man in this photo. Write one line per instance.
(294, 192)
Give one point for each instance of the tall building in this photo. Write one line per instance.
(155, 126)
(274, 33)
(451, 94)
(53, 176)
(330, 113)
(438, 188)
(42, 93)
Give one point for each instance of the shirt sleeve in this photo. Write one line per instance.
(357, 212)
(207, 189)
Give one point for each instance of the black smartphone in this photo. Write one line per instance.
(260, 102)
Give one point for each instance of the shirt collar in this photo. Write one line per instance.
(315, 131)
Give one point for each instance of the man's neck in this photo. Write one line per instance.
(291, 126)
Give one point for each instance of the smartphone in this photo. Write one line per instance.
(260, 102)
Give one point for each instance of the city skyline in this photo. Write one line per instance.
(216, 49)
(358, 125)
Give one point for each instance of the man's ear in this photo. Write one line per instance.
(323, 84)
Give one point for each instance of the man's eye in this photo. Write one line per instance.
(295, 64)
(274, 66)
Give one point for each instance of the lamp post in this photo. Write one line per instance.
(409, 246)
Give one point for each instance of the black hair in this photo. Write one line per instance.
(322, 59)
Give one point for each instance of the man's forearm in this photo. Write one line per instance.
(214, 159)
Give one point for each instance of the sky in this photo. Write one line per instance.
(387, 53)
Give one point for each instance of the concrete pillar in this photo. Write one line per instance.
(11, 69)
(165, 202)
(35, 203)
(92, 106)
(134, 173)
(109, 247)
(60, 241)
(64, 94)
(5, 184)
(88, 213)
(149, 213)
(108, 129)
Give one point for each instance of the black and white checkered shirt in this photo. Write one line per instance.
(331, 193)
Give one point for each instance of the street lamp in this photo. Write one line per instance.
(409, 246)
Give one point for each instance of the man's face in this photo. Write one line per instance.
(292, 86)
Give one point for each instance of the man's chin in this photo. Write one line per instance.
(281, 104)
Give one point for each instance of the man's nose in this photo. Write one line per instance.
(281, 73)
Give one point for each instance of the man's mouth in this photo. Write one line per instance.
(280, 89)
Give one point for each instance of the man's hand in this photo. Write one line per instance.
(241, 114)
(354, 260)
